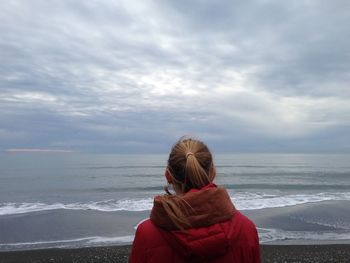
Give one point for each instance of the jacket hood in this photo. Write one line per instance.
(207, 209)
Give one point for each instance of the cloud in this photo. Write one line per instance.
(134, 76)
(36, 151)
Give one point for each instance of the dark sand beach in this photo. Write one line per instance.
(269, 253)
(297, 218)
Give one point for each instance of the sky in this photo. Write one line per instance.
(134, 76)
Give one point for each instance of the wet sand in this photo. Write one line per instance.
(269, 253)
(319, 216)
(313, 223)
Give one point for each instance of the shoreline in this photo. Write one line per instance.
(120, 254)
(324, 222)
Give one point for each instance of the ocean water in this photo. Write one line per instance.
(72, 199)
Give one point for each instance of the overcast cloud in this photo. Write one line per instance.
(133, 76)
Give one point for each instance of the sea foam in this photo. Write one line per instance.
(69, 243)
(243, 201)
(272, 235)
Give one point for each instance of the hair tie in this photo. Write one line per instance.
(188, 154)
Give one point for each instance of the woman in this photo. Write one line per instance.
(199, 223)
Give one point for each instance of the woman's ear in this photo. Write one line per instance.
(168, 176)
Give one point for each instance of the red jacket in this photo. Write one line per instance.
(219, 232)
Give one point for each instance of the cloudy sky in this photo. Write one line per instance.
(134, 76)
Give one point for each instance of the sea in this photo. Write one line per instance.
(78, 200)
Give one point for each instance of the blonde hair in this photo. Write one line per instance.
(191, 166)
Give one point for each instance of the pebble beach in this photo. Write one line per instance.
(120, 254)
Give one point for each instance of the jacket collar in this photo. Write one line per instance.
(205, 207)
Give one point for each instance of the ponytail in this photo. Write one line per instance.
(195, 175)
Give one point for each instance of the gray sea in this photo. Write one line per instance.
(76, 200)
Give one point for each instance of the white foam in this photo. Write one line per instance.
(105, 206)
(254, 201)
(35, 243)
(114, 240)
(271, 235)
(242, 200)
(265, 236)
(77, 242)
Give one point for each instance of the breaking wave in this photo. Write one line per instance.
(278, 235)
(68, 243)
(243, 201)
(265, 236)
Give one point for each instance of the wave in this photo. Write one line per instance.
(231, 186)
(288, 186)
(127, 189)
(68, 243)
(255, 201)
(122, 167)
(273, 235)
(265, 235)
(242, 200)
(103, 206)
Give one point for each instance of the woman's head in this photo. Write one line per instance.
(190, 165)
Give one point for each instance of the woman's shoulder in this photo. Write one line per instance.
(151, 234)
(145, 225)
(243, 223)
(243, 218)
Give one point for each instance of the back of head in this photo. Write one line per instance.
(190, 164)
